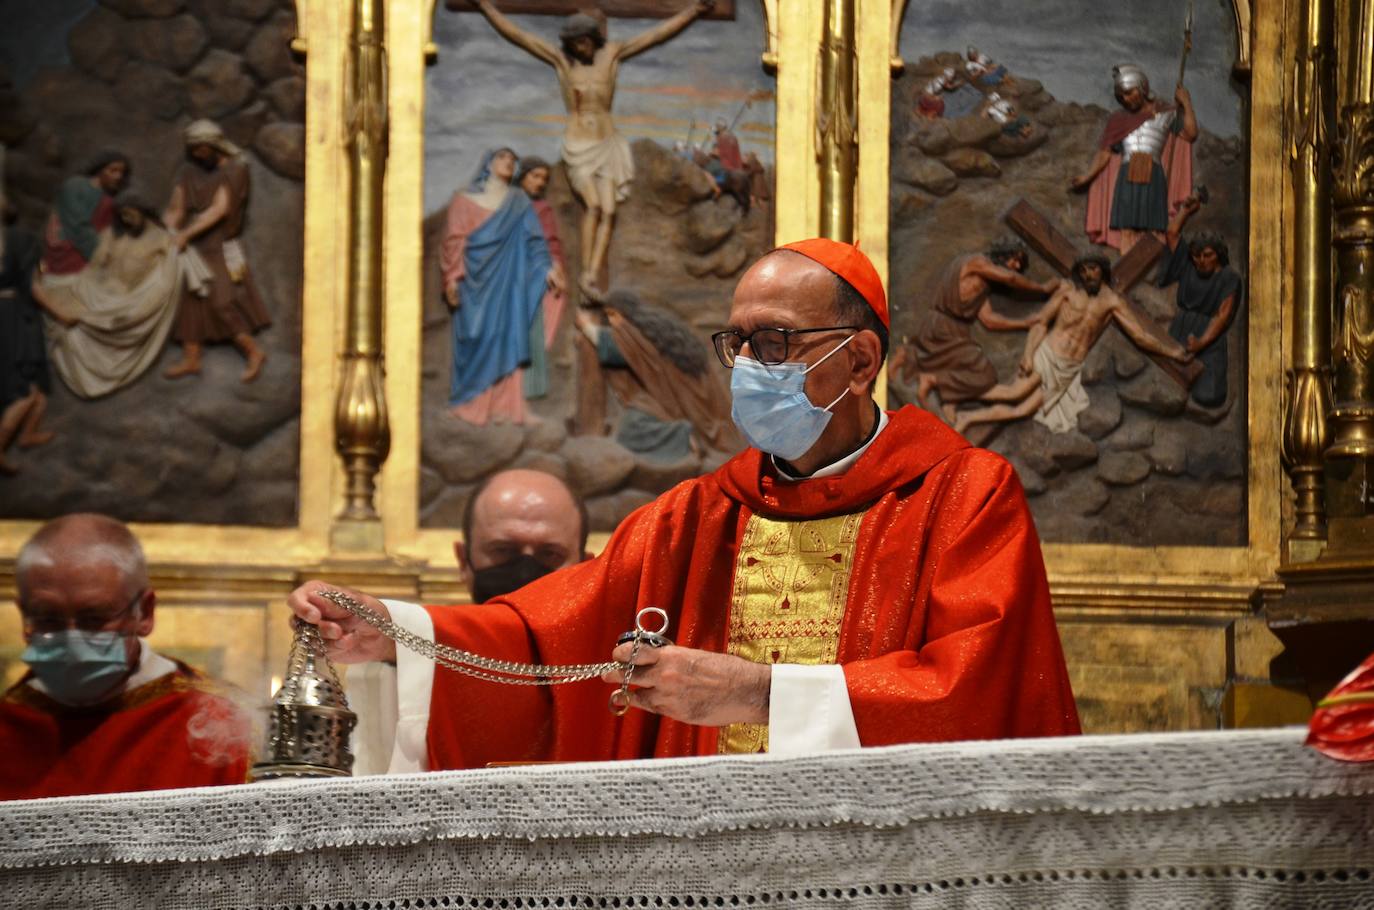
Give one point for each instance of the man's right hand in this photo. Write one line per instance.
(348, 639)
(451, 296)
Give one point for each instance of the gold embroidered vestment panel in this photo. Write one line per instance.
(787, 604)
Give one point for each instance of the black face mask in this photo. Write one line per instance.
(505, 577)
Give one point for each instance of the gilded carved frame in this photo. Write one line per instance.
(1162, 579)
(322, 25)
(1157, 580)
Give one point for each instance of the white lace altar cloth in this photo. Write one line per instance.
(1236, 819)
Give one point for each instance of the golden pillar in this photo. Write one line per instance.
(837, 121)
(1325, 615)
(362, 430)
(1305, 430)
(1353, 244)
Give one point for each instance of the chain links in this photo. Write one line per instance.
(487, 668)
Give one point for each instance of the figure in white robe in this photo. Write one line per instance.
(108, 323)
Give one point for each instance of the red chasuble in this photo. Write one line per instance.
(176, 731)
(942, 622)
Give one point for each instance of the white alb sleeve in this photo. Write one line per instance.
(809, 710)
(414, 686)
(371, 690)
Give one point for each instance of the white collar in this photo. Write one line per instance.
(151, 666)
(836, 468)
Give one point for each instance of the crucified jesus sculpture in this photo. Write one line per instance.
(600, 167)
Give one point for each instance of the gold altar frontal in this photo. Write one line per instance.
(1157, 638)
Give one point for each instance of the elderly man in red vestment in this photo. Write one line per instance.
(100, 711)
(855, 577)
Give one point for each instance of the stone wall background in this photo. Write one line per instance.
(1147, 466)
(676, 247)
(206, 449)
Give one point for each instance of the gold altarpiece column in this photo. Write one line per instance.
(1324, 613)
(1120, 607)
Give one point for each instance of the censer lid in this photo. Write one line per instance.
(310, 675)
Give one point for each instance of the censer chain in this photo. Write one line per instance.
(487, 668)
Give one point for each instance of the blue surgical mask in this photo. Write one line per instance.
(771, 409)
(78, 668)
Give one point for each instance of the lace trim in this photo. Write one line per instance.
(878, 788)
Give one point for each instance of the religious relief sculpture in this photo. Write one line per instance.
(1209, 295)
(111, 320)
(497, 269)
(649, 189)
(1116, 401)
(1049, 385)
(23, 359)
(598, 159)
(156, 240)
(673, 400)
(737, 174)
(207, 211)
(941, 355)
(1143, 166)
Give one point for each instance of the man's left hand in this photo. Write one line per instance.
(696, 687)
(1182, 96)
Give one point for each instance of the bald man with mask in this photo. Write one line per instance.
(855, 577)
(518, 526)
(100, 711)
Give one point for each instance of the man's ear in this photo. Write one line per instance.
(460, 553)
(866, 360)
(146, 606)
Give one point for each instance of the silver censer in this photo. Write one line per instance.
(309, 722)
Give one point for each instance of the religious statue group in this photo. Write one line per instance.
(112, 278)
(507, 283)
(1140, 195)
(977, 90)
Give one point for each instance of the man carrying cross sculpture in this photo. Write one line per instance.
(854, 577)
(1050, 383)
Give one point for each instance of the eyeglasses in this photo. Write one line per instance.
(87, 622)
(769, 346)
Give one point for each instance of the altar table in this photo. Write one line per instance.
(1226, 819)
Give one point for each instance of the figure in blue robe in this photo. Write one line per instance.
(506, 264)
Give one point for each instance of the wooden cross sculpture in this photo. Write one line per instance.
(1042, 236)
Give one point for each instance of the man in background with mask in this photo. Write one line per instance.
(518, 526)
(100, 711)
(855, 578)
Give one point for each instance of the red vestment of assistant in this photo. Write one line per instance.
(175, 731)
(947, 631)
